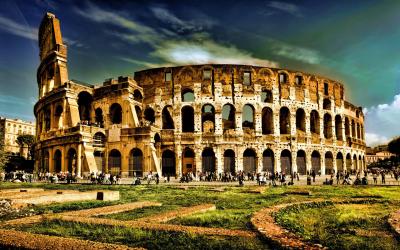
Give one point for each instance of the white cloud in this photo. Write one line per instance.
(295, 52)
(286, 7)
(205, 51)
(375, 139)
(18, 29)
(382, 121)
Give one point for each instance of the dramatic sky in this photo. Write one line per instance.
(355, 42)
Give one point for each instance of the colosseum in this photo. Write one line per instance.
(193, 118)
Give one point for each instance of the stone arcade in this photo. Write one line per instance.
(192, 118)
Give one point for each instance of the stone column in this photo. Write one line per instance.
(64, 166)
(259, 162)
(79, 161)
(334, 162)
(197, 119)
(308, 162)
(293, 129)
(218, 122)
(178, 160)
(258, 121)
(294, 161)
(219, 158)
(323, 165)
(199, 166)
(51, 160)
(277, 160)
(276, 123)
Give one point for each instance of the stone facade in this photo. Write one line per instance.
(203, 118)
(10, 129)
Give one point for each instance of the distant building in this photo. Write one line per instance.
(10, 129)
(372, 158)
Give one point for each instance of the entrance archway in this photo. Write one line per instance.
(57, 161)
(188, 163)
(316, 162)
(301, 162)
(229, 161)
(208, 160)
(71, 159)
(114, 162)
(286, 162)
(136, 162)
(268, 161)
(168, 163)
(329, 163)
(249, 161)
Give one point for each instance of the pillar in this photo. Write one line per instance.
(79, 161)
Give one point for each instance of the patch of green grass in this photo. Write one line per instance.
(140, 212)
(341, 226)
(143, 238)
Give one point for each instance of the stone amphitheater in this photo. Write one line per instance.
(194, 118)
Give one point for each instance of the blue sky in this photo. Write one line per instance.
(355, 42)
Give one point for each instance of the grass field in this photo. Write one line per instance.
(338, 226)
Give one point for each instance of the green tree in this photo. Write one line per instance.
(3, 157)
(394, 146)
(27, 140)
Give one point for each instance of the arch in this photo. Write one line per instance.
(188, 95)
(138, 111)
(208, 160)
(99, 159)
(167, 120)
(168, 163)
(136, 162)
(355, 162)
(249, 161)
(99, 140)
(85, 106)
(358, 131)
(57, 161)
(353, 129)
(329, 163)
(149, 115)
(301, 120)
(326, 104)
(267, 121)
(314, 122)
(266, 96)
(283, 77)
(208, 118)
(114, 162)
(99, 117)
(286, 162)
(71, 161)
(187, 116)
(58, 116)
(229, 161)
(228, 117)
(327, 126)
(284, 120)
(348, 162)
(301, 162)
(46, 161)
(47, 118)
(248, 116)
(347, 127)
(316, 162)
(157, 138)
(137, 95)
(338, 128)
(339, 162)
(188, 162)
(268, 161)
(115, 113)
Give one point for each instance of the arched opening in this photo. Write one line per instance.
(99, 117)
(99, 140)
(136, 162)
(316, 162)
(266, 96)
(353, 129)
(187, 119)
(188, 163)
(115, 113)
(47, 119)
(249, 161)
(339, 162)
(347, 127)
(248, 116)
(187, 95)
(208, 118)
(326, 104)
(268, 161)
(301, 162)
(360, 163)
(208, 160)
(85, 106)
(283, 78)
(348, 162)
(138, 111)
(314, 122)
(267, 121)
(338, 127)
(149, 115)
(286, 162)
(167, 121)
(114, 162)
(358, 131)
(58, 116)
(301, 120)
(327, 126)
(137, 95)
(168, 163)
(329, 163)
(157, 138)
(57, 161)
(228, 117)
(229, 161)
(71, 161)
(46, 161)
(284, 120)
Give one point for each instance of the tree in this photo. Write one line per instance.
(27, 140)
(394, 146)
(3, 157)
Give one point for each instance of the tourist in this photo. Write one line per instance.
(313, 175)
(375, 177)
(157, 178)
(383, 177)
